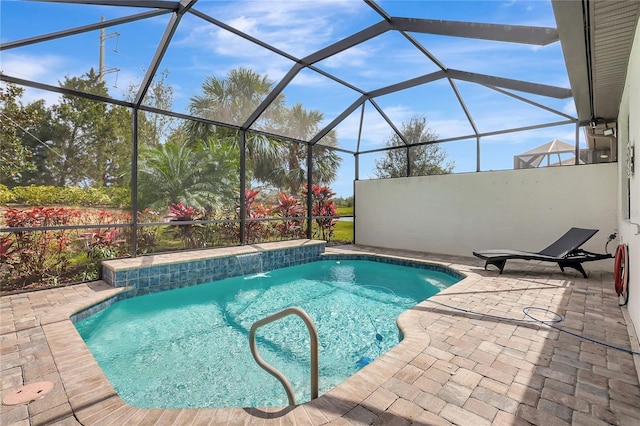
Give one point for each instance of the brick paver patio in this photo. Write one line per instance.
(461, 361)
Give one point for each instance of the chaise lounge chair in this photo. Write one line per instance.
(565, 252)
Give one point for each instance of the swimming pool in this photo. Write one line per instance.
(188, 347)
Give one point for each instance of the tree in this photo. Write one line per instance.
(113, 156)
(154, 128)
(18, 145)
(231, 100)
(270, 160)
(290, 172)
(204, 176)
(428, 159)
(88, 141)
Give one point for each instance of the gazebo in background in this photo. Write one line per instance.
(546, 155)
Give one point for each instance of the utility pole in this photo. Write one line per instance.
(101, 67)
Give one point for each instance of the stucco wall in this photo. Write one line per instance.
(629, 132)
(459, 213)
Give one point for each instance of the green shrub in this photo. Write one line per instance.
(74, 196)
(119, 196)
(6, 195)
(70, 196)
(33, 195)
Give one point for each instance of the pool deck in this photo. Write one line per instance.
(460, 362)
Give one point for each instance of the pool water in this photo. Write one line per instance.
(189, 347)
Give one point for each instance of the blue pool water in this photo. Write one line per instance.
(189, 347)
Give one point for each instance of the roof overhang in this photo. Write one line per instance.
(596, 38)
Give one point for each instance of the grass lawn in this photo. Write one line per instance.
(345, 211)
(343, 231)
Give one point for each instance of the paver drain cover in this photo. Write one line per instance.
(27, 393)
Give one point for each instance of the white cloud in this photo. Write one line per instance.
(355, 56)
(43, 68)
(306, 79)
(296, 27)
(48, 69)
(450, 128)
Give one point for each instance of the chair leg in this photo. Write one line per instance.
(577, 266)
(497, 263)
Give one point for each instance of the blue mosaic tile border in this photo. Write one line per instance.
(86, 313)
(156, 278)
(166, 277)
(395, 261)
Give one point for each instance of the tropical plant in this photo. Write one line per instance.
(291, 170)
(230, 100)
(256, 230)
(289, 208)
(38, 255)
(220, 164)
(270, 160)
(103, 243)
(201, 177)
(147, 238)
(181, 213)
(323, 210)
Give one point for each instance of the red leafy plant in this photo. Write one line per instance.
(323, 209)
(181, 213)
(35, 255)
(255, 229)
(290, 209)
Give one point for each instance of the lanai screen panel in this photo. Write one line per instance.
(216, 74)
(436, 102)
(214, 39)
(308, 103)
(74, 47)
(494, 111)
(362, 64)
(376, 130)
(469, 10)
(298, 28)
(462, 154)
(346, 132)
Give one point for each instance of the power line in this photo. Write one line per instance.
(32, 135)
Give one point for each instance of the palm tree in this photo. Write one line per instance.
(232, 100)
(269, 160)
(220, 166)
(302, 125)
(202, 177)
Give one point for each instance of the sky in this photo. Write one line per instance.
(199, 50)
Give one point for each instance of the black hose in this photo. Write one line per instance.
(549, 323)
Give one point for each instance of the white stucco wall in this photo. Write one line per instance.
(629, 132)
(459, 213)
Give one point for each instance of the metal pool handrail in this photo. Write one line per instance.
(313, 334)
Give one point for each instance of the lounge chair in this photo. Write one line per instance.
(565, 252)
